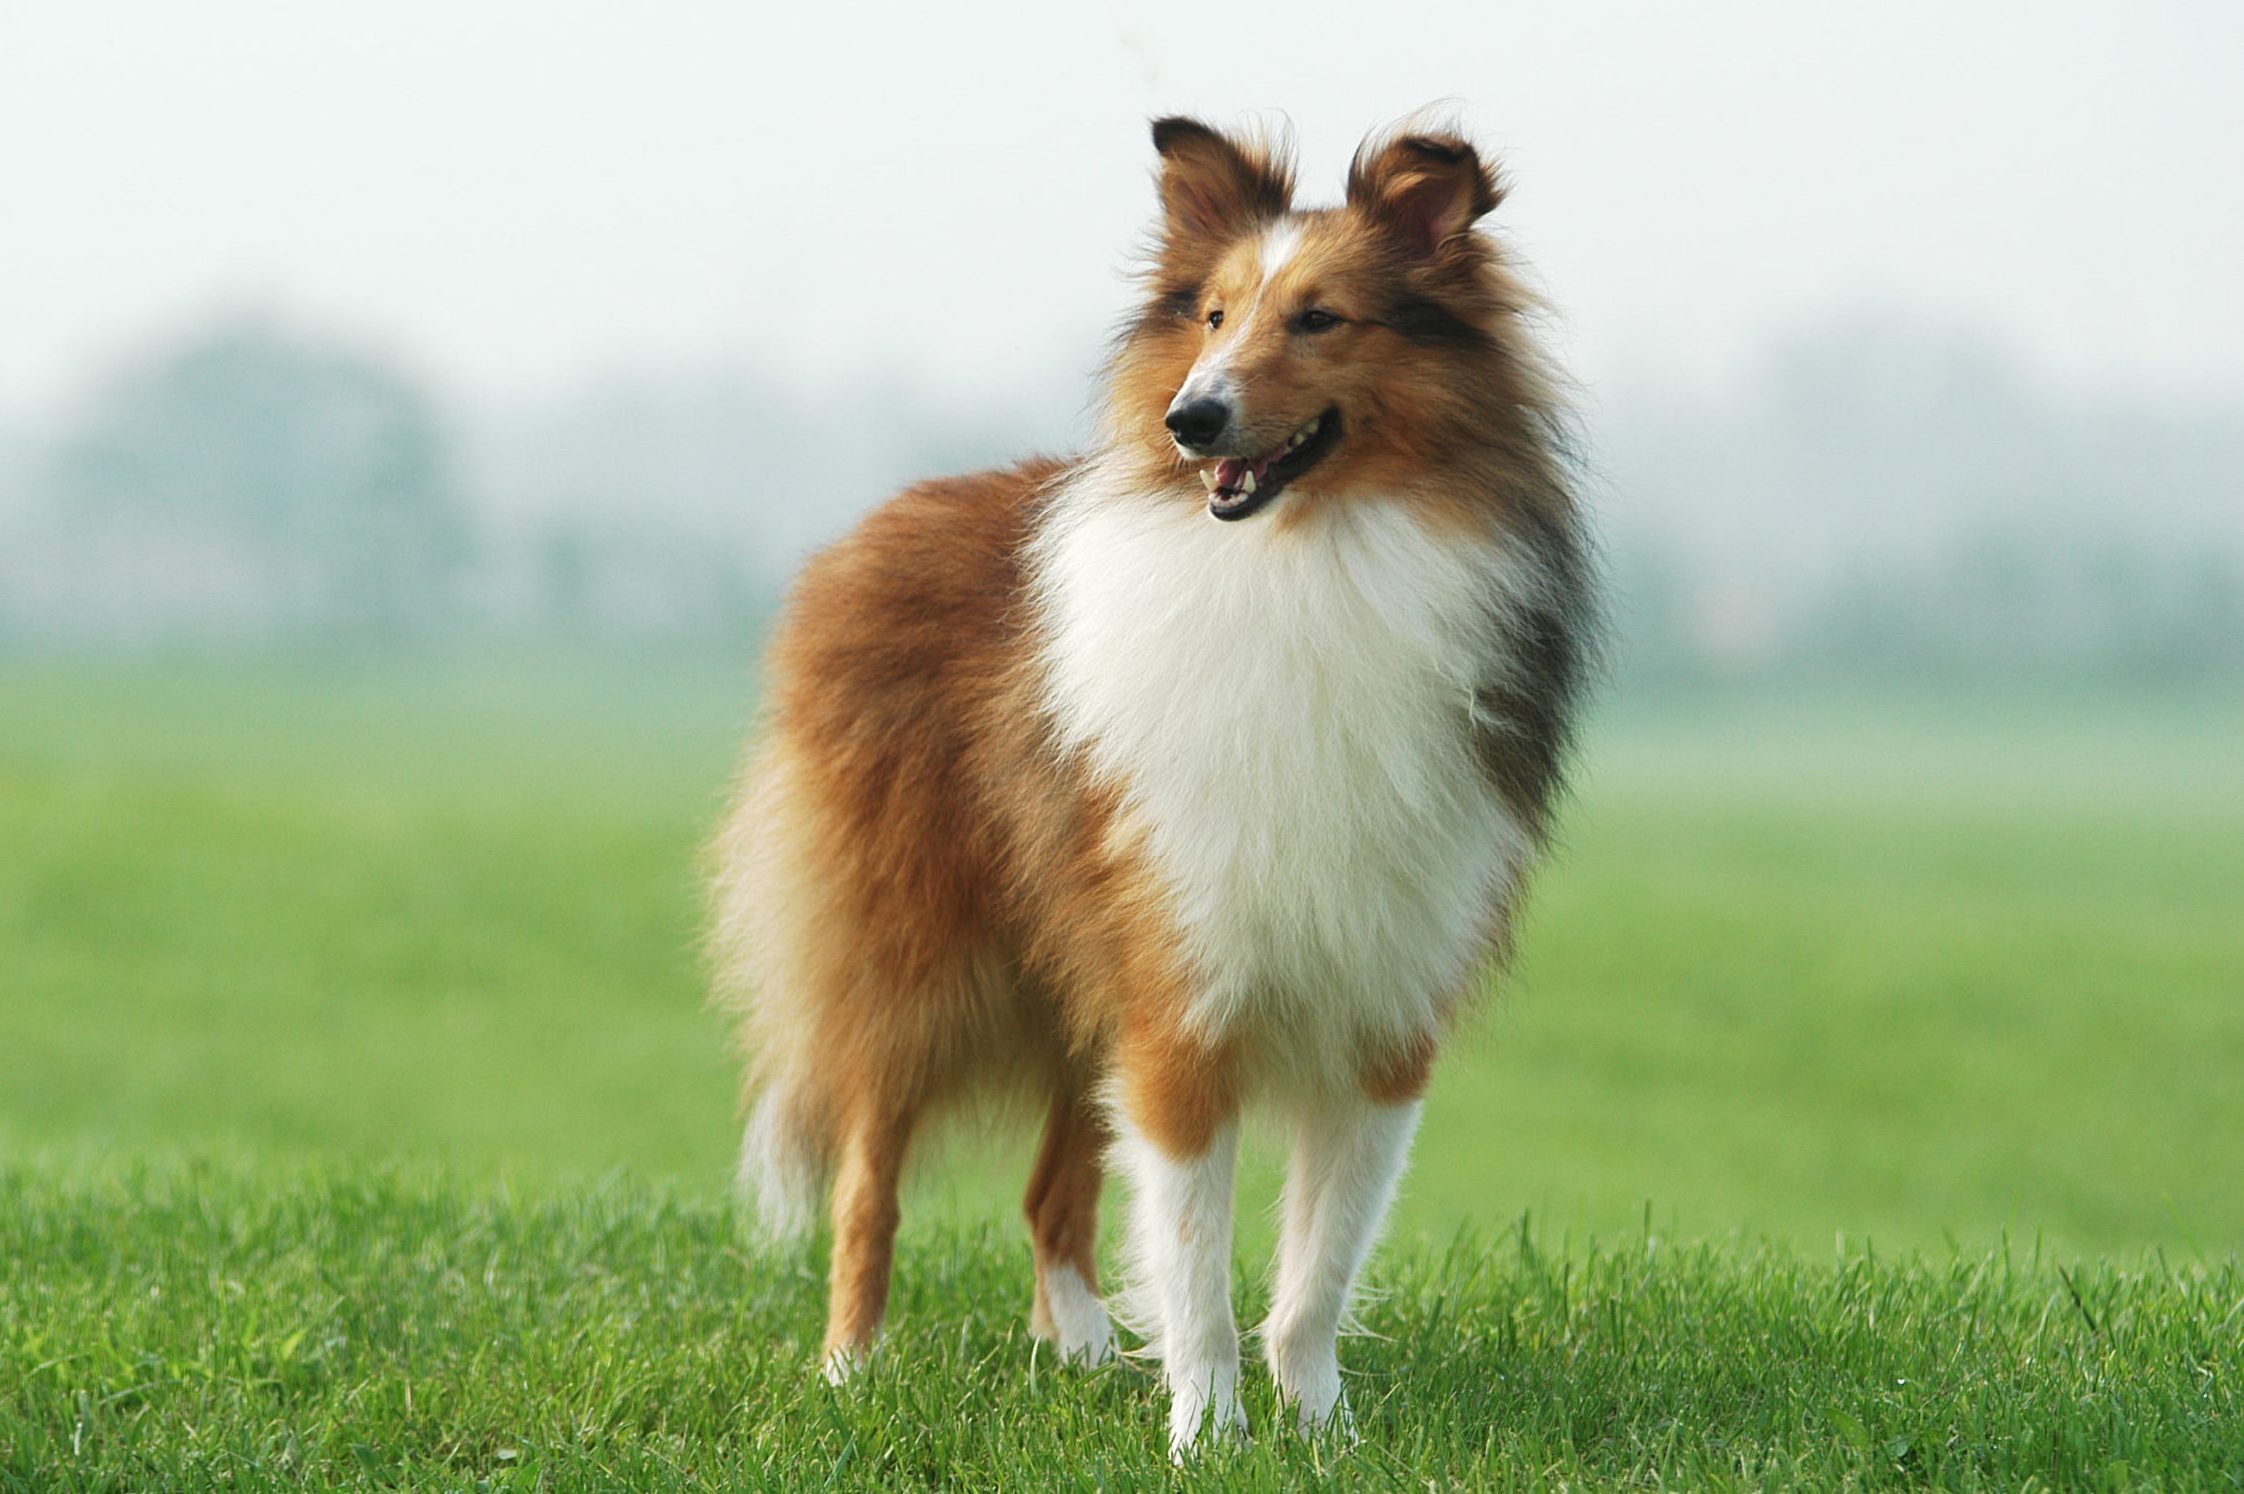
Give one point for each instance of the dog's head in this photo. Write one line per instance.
(1322, 352)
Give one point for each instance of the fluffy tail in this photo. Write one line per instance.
(785, 1164)
(759, 906)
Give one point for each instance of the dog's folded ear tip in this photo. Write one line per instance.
(1172, 130)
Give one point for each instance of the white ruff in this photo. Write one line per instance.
(1286, 712)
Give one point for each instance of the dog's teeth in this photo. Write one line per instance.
(1207, 478)
(1311, 428)
(1246, 482)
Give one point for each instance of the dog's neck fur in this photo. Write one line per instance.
(1286, 712)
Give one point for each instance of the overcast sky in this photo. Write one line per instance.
(511, 196)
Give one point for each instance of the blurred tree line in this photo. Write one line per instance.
(1881, 498)
(1886, 497)
(255, 486)
(248, 484)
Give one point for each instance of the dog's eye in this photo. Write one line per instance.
(1215, 320)
(1316, 319)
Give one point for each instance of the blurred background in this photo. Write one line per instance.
(410, 417)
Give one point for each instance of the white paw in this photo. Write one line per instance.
(845, 1362)
(1333, 1419)
(1204, 1409)
(1309, 1382)
(1074, 1319)
(1092, 1349)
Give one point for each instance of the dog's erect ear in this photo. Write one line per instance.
(1430, 188)
(1212, 183)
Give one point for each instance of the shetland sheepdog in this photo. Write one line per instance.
(1200, 772)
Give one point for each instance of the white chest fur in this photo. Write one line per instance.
(1285, 711)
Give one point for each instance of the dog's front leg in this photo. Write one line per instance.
(1348, 1155)
(1178, 1142)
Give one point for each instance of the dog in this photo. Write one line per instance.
(1203, 770)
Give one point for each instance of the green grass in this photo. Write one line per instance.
(352, 1038)
(449, 914)
(367, 1327)
(1902, 971)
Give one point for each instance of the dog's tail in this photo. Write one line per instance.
(760, 912)
(786, 1162)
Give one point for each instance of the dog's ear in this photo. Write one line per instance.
(1217, 184)
(1428, 188)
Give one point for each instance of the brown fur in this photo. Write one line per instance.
(917, 899)
(944, 880)
(1063, 1193)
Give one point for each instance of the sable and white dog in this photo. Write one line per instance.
(1199, 771)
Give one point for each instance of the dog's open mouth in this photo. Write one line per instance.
(1237, 486)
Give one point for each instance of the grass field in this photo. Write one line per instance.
(351, 1039)
(368, 1327)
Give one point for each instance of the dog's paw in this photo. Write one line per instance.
(1308, 1382)
(1073, 1320)
(1205, 1415)
(845, 1362)
(1333, 1420)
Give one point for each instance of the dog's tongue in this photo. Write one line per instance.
(1231, 470)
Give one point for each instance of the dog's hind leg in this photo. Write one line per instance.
(1063, 1216)
(865, 1216)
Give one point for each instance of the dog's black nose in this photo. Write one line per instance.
(1200, 422)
